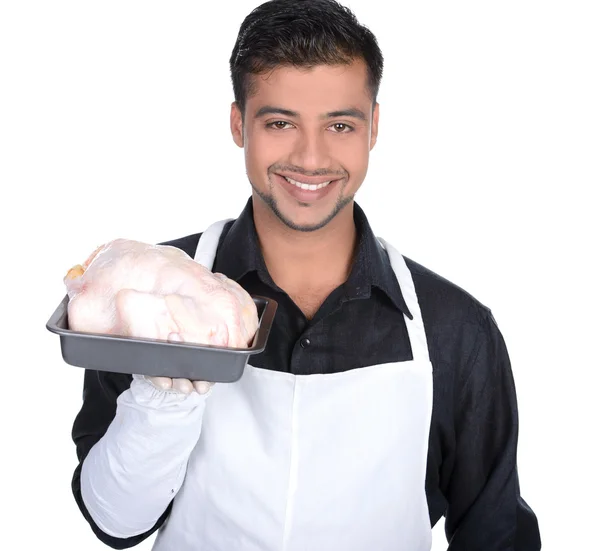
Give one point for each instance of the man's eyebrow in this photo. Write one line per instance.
(350, 112)
(270, 110)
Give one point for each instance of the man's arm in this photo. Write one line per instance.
(485, 510)
(133, 443)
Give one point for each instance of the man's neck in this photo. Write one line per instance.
(317, 260)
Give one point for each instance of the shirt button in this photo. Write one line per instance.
(305, 343)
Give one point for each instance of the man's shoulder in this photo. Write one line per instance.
(187, 244)
(443, 301)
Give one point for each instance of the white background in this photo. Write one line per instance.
(114, 122)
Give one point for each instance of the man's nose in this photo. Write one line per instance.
(311, 150)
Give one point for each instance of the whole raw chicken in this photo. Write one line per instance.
(129, 288)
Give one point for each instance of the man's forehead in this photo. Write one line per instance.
(322, 89)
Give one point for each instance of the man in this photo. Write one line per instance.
(384, 398)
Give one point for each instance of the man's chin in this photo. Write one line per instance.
(306, 221)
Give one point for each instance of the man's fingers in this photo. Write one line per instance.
(183, 385)
(162, 383)
(202, 387)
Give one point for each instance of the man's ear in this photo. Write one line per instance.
(374, 126)
(237, 126)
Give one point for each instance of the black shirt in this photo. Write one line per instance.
(471, 470)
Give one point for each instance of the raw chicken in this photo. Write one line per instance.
(129, 288)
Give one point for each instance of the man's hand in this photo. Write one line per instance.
(184, 386)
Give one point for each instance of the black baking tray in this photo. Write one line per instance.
(152, 357)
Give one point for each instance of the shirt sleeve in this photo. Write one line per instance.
(133, 442)
(485, 509)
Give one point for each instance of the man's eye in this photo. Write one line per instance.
(278, 125)
(345, 128)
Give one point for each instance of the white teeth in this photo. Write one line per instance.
(309, 187)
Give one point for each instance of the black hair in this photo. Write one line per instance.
(301, 33)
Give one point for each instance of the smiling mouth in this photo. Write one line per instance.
(309, 187)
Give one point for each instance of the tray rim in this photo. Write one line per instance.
(267, 316)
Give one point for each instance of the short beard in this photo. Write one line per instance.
(269, 200)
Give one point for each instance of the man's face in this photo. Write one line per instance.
(313, 126)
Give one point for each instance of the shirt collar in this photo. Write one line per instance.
(372, 267)
(239, 254)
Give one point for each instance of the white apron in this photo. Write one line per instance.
(330, 462)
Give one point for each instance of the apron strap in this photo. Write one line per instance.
(207, 245)
(415, 327)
